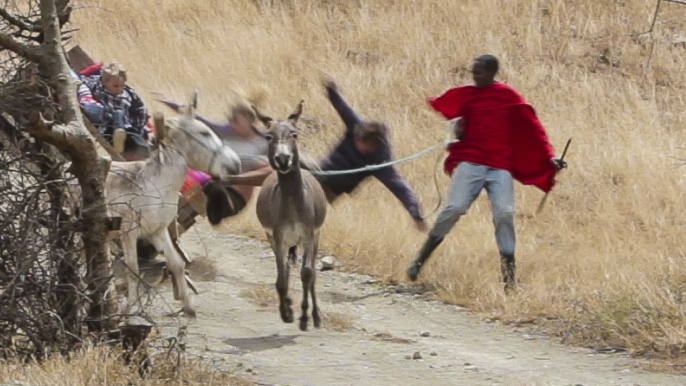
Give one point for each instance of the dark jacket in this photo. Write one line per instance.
(345, 156)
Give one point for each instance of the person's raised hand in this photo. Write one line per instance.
(327, 81)
(558, 163)
(177, 107)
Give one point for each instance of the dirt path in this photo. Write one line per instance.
(379, 330)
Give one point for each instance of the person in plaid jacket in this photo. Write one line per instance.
(124, 115)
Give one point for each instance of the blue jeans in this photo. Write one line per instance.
(94, 112)
(468, 180)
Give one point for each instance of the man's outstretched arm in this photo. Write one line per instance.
(401, 189)
(345, 111)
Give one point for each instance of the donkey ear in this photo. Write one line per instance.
(193, 105)
(293, 118)
(265, 119)
(160, 130)
(258, 131)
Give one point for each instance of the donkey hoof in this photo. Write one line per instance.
(287, 315)
(317, 321)
(189, 312)
(303, 323)
(413, 271)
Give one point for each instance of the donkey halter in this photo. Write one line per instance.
(215, 151)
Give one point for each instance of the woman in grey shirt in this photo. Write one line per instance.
(241, 135)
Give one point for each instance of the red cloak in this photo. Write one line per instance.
(522, 147)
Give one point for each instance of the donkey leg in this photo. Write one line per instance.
(177, 268)
(283, 274)
(306, 276)
(128, 243)
(316, 319)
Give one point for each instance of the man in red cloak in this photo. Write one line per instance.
(500, 140)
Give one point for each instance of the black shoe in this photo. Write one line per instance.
(413, 271)
(218, 204)
(508, 269)
(429, 245)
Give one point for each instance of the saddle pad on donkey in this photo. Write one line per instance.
(194, 182)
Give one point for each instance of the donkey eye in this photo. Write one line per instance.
(269, 137)
(205, 134)
(294, 135)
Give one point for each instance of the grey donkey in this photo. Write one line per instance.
(291, 207)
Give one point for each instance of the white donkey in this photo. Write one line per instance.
(145, 193)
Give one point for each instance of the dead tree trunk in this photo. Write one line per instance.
(72, 138)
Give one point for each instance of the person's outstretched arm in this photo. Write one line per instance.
(252, 178)
(345, 111)
(390, 177)
(220, 128)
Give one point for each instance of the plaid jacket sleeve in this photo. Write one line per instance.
(90, 81)
(83, 92)
(138, 113)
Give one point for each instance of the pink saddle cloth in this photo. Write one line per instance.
(195, 180)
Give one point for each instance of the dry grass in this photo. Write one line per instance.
(335, 321)
(262, 295)
(606, 256)
(104, 367)
(203, 269)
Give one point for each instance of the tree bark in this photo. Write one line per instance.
(74, 140)
(89, 168)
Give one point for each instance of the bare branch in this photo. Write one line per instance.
(43, 293)
(55, 64)
(652, 25)
(22, 49)
(64, 33)
(18, 23)
(657, 9)
(58, 135)
(70, 135)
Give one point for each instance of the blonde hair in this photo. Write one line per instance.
(113, 70)
(242, 110)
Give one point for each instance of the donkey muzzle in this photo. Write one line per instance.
(283, 162)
